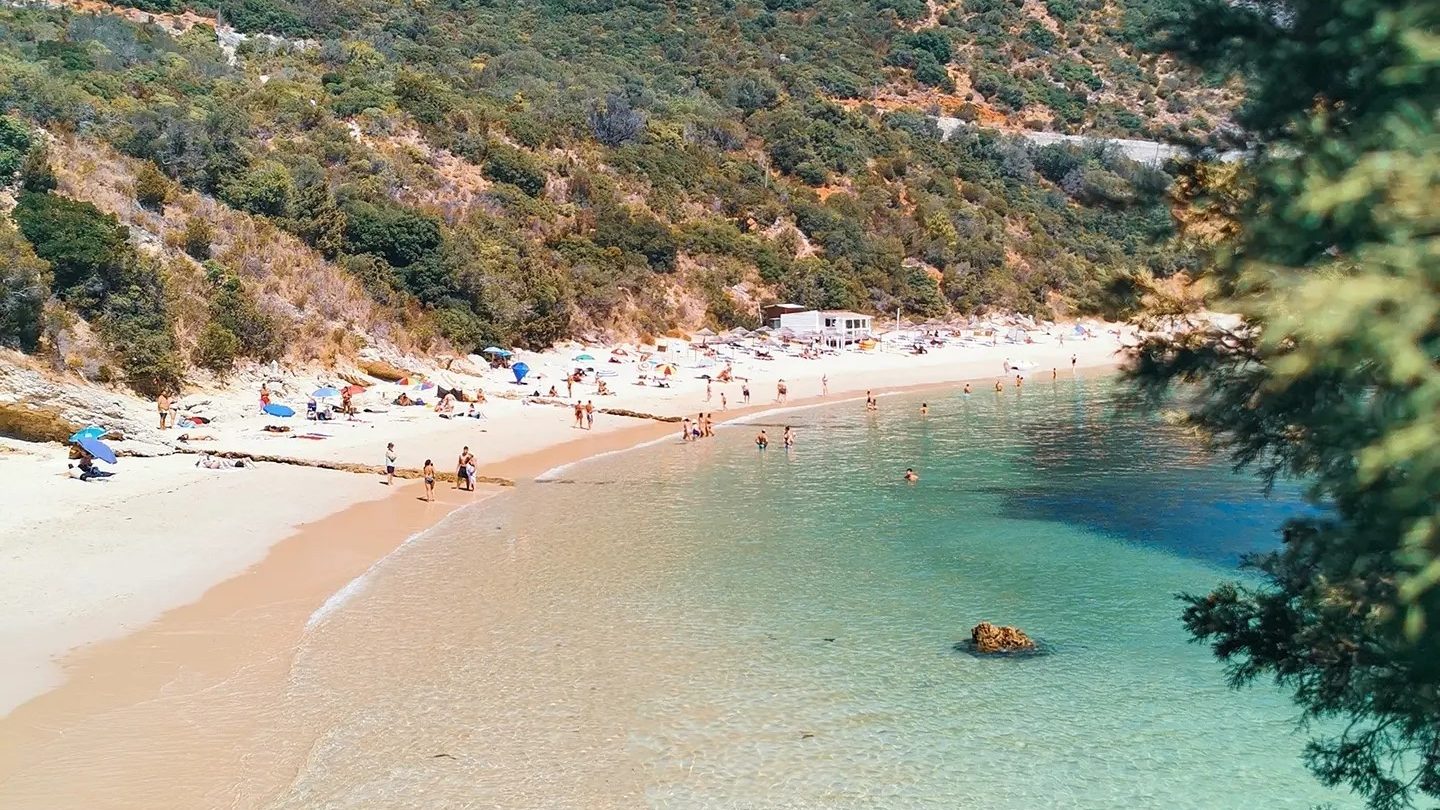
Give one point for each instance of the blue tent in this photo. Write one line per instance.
(520, 370)
(98, 449)
(275, 409)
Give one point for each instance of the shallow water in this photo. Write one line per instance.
(713, 626)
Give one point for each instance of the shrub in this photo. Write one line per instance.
(152, 189)
(216, 349)
(509, 165)
(35, 172)
(266, 189)
(24, 286)
(15, 141)
(932, 41)
(391, 232)
(85, 248)
(615, 123)
(638, 233)
(197, 238)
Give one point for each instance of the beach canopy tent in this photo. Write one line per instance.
(92, 432)
(520, 370)
(98, 449)
(276, 409)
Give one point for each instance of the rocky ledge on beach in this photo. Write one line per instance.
(989, 639)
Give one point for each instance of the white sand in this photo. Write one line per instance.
(85, 561)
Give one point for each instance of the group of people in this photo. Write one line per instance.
(701, 427)
(585, 414)
(762, 439)
(464, 470)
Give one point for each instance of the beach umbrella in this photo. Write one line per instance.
(520, 370)
(98, 449)
(325, 393)
(583, 358)
(665, 368)
(92, 432)
(276, 409)
(494, 350)
(354, 390)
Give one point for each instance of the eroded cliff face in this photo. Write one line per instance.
(40, 406)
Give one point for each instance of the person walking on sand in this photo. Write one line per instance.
(685, 430)
(780, 391)
(429, 472)
(264, 395)
(579, 414)
(390, 464)
(825, 385)
(589, 414)
(724, 406)
(745, 393)
(162, 404)
(569, 386)
(1072, 363)
(707, 390)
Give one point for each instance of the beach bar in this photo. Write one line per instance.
(837, 327)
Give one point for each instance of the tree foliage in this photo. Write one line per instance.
(1331, 251)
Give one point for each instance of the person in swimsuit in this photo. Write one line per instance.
(685, 430)
(998, 387)
(724, 406)
(825, 385)
(429, 472)
(788, 438)
(911, 475)
(162, 404)
(924, 409)
(589, 414)
(967, 389)
(462, 469)
(579, 414)
(390, 464)
(707, 390)
(1019, 379)
(780, 391)
(762, 441)
(745, 393)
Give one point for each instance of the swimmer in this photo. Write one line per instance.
(911, 475)
(967, 389)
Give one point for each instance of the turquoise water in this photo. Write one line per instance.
(713, 626)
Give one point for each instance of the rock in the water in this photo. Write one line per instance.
(988, 638)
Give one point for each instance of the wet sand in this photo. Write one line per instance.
(170, 716)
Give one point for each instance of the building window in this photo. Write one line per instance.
(829, 323)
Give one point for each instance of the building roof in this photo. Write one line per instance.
(844, 313)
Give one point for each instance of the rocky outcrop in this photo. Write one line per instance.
(989, 639)
(36, 407)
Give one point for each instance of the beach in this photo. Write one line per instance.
(167, 580)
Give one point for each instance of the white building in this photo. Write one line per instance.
(836, 327)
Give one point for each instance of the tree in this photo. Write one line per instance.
(1330, 253)
(24, 286)
(85, 248)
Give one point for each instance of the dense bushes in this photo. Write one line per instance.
(24, 286)
(505, 164)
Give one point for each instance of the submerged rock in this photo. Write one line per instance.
(988, 639)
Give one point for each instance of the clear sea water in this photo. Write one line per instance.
(710, 626)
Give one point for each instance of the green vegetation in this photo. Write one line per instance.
(1331, 251)
(24, 286)
(506, 172)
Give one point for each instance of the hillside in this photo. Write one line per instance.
(437, 176)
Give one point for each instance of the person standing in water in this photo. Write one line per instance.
(390, 464)
(789, 438)
(999, 387)
(1054, 372)
(967, 389)
(1019, 380)
(761, 440)
(685, 430)
(429, 472)
(911, 475)
(924, 409)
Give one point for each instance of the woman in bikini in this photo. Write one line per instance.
(429, 472)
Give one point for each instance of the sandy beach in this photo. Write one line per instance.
(127, 602)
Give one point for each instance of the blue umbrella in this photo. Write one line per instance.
(520, 370)
(92, 432)
(496, 350)
(98, 449)
(275, 409)
(325, 392)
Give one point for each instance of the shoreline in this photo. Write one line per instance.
(127, 687)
